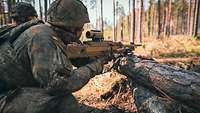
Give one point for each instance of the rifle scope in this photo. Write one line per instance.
(95, 35)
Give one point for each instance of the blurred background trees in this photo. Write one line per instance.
(155, 18)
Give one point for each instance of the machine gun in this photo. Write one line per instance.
(95, 46)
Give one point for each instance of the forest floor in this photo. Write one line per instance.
(112, 92)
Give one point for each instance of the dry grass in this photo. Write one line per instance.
(177, 46)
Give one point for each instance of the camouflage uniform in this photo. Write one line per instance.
(49, 72)
(41, 78)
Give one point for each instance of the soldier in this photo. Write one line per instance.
(21, 12)
(41, 78)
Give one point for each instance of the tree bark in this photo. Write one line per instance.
(153, 17)
(164, 20)
(102, 24)
(40, 7)
(140, 21)
(114, 21)
(122, 29)
(192, 17)
(189, 17)
(177, 84)
(45, 9)
(168, 19)
(129, 18)
(149, 18)
(9, 10)
(132, 38)
(197, 17)
(158, 11)
(149, 102)
(4, 14)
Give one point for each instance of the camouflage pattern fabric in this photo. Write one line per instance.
(37, 100)
(48, 71)
(5, 29)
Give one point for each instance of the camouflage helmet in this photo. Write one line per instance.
(68, 13)
(21, 11)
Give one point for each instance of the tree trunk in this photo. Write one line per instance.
(122, 29)
(192, 17)
(168, 19)
(132, 38)
(189, 17)
(9, 10)
(102, 24)
(114, 21)
(4, 14)
(117, 21)
(197, 17)
(1, 21)
(152, 18)
(49, 2)
(33, 3)
(40, 6)
(1, 12)
(140, 21)
(45, 9)
(149, 18)
(174, 83)
(158, 11)
(177, 24)
(163, 20)
(129, 18)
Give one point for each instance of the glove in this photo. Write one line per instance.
(104, 59)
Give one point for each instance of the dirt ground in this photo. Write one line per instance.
(107, 93)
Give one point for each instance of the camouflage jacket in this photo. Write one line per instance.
(46, 66)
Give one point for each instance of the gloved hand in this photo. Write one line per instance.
(99, 64)
(104, 59)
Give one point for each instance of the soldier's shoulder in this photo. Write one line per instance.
(36, 33)
(40, 29)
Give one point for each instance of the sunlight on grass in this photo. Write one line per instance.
(178, 46)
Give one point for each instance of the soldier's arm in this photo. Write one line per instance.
(53, 71)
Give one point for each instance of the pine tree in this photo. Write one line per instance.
(189, 17)
(40, 7)
(192, 20)
(196, 23)
(168, 19)
(140, 21)
(132, 38)
(45, 9)
(158, 11)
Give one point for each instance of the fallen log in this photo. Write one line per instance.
(180, 85)
(148, 101)
(195, 60)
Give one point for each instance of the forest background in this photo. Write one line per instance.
(137, 22)
(167, 30)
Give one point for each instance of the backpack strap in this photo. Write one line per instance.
(5, 29)
(17, 31)
(12, 35)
